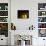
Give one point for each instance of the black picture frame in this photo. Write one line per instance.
(23, 14)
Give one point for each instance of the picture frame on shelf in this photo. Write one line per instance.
(41, 13)
(41, 6)
(3, 13)
(3, 6)
(3, 19)
(41, 25)
(42, 33)
(41, 19)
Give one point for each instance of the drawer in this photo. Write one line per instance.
(3, 41)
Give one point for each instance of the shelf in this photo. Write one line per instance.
(42, 16)
(3, 10)
(3, 22)
(41, 28)
(41, 22)
(41, 10)
(3, 16)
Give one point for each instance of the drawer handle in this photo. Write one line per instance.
(43, 39)
(1, 39)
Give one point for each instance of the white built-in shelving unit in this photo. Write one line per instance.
(42, 19)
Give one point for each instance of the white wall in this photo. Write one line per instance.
(32, 6)
(22, 24)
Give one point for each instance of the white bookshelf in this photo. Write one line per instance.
(42, 18)
(4, 17)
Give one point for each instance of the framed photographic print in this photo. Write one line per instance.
(23, 14)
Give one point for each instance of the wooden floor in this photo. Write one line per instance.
(3, 45)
